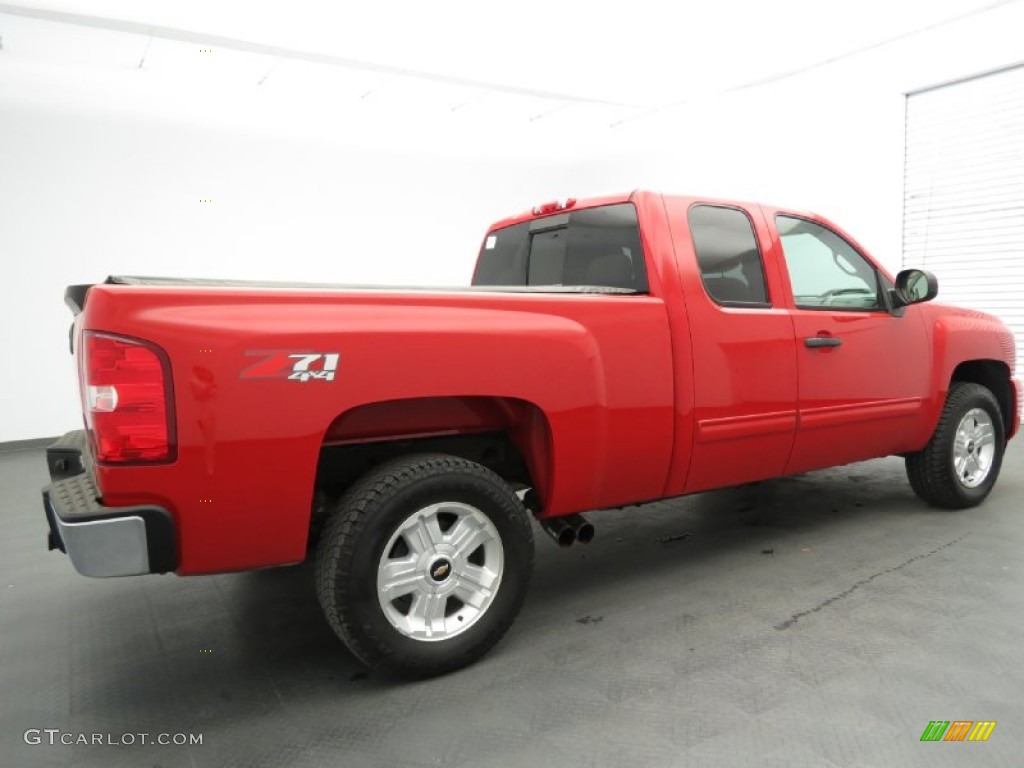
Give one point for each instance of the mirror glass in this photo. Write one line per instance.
(916, 285)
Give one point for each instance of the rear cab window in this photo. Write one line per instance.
(728, 255)
(590, 247)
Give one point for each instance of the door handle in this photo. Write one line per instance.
(815, 342)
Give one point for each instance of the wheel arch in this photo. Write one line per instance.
(994, 375)
(510, 436)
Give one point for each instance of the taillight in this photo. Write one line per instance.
(126, 396)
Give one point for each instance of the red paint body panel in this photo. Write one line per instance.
(866, 398)
(743, 369)
(612, 399)
(251, 445)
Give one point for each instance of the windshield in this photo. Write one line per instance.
(594, 246)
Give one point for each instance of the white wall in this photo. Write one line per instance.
(99, 179)
(829, 140)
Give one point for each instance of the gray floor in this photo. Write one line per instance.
(822, 620)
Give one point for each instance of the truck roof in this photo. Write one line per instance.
(573, 204)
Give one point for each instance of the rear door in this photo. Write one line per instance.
(744, 355)
(863, 370)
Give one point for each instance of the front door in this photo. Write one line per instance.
(863, 371)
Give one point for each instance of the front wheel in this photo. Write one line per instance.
(960, 464)
(424, 564)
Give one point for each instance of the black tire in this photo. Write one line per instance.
(932, 472)
(366, 519)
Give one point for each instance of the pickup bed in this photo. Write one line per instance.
(610, 351)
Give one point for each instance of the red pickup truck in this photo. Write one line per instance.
(610, 351)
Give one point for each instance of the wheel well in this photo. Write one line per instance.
(511, 437)
(342, 465)
(996, 377)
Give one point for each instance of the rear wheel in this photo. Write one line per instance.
(960, 464)
(424, 564)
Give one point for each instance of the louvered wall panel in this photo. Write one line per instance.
(963, 205)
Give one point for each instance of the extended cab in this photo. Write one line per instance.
(610, 351)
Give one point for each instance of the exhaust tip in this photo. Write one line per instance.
(583, 529)
(585, 533)
(560, 531)
(565, 538)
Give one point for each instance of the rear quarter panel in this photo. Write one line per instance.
(598, 367)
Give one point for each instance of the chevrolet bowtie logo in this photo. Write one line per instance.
(441, 571)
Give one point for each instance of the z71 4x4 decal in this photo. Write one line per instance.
(292, 365)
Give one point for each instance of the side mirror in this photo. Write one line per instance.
(914, 286)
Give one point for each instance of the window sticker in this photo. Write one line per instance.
(492, 240)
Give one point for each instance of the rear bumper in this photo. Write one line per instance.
(102, 541)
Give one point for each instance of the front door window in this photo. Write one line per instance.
(825, 271)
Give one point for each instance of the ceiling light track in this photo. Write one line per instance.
(788, 74)
(248, 46)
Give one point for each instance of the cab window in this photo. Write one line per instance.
(590, 247)
(825, 271)
(728, 256)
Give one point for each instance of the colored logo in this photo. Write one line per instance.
(294, 366)
(958, 730)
